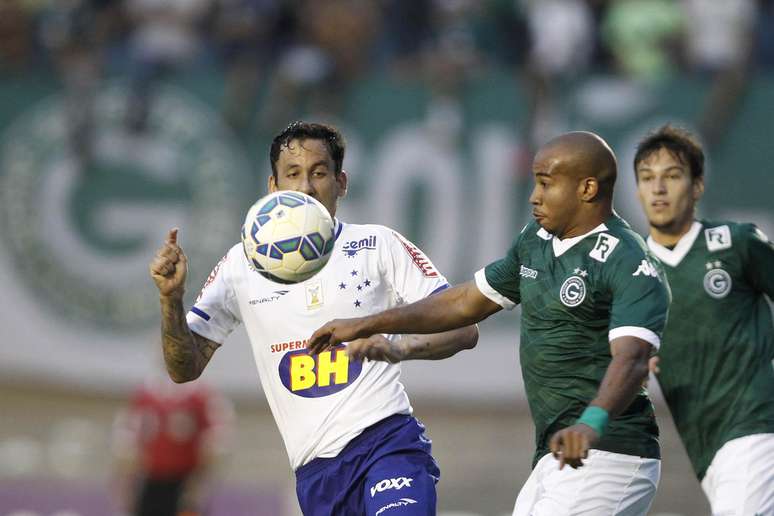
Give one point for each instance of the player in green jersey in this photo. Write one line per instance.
(716, 369)
(593, 308)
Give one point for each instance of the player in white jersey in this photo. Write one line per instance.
(346, 422)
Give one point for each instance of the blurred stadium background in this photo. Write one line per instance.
(120, 119)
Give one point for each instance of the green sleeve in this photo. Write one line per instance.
(759, 259)
(503, 275)
(640, 296)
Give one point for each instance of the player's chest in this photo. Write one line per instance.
(558, 286)
(710, 277)
(348, 286)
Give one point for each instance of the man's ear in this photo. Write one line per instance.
(272, 184)
(588, 189)
(698, 188)
(343, 180)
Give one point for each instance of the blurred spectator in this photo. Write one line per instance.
(74, 31)
(644, 37)
(15, 35)
(718, 35)
(562, 37)
(407, 29)
(165, 37)
(332, 46)
(250, 33)
(166, 443)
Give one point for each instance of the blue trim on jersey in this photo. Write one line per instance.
(338, 229)
(200, 313)
(439, 289)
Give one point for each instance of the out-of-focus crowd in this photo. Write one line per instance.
(313, 49)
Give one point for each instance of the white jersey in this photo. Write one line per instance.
(320, 403)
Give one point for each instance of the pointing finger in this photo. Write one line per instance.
(172, 236)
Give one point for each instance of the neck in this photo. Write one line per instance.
(669, 236)
(587, 223)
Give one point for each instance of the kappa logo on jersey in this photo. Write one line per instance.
(400, 503)
(573, 291)
(268, 299)
(390, 483)
(604, 247)
(526, 272)
(646, 269)
(317, 376)
(717, 283)
(351, 248)
(718, 238)
(420, 260)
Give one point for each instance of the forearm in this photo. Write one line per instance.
(438, 346)
(184, 356)
(453, 308)
(622, 381)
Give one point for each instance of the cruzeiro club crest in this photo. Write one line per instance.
(573, 291)
(80, 236)
(717, 282)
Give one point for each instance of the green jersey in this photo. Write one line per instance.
(578, 294)
(716, 358)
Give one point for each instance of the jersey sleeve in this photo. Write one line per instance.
(499, 281)
(214, 314)
(411, 273)
(759, 259)
(640, 296)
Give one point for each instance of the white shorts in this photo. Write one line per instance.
(607, 483)
(740, 479)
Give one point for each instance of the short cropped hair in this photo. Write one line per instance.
(681, 143)
(299, 130)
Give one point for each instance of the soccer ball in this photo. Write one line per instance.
(288, 236)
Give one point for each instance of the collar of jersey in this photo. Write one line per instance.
(337, 227)
(562, 246)
(673, 257)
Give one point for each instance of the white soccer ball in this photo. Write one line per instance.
(288, 236)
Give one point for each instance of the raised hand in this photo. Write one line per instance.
(169, 267)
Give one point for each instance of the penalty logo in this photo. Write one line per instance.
(573, 291)
(717, 283)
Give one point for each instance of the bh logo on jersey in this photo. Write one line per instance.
(573, 291)
(317, 376)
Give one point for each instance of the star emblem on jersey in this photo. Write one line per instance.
(714, 265)
(573, 291)
(581, 272)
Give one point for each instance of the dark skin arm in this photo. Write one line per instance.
(625, 375)
(185, 352)
(456, 307)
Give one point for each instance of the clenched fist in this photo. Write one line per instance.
(169, 267)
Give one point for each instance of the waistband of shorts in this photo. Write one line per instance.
(320, 463)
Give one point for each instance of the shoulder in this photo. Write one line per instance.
(720, 235)
(618, 243)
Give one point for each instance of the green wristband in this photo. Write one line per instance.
(596, 418)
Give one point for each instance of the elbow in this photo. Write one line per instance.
(182, 377)
(470, 336)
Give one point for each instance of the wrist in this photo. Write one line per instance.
(172, 297)
(596, 418)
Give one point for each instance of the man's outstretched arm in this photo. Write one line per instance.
(185, 353)
(623, 379)
(459, 306)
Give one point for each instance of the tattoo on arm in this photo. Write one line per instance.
(185, 353)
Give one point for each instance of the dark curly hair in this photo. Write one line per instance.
(299, 130)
